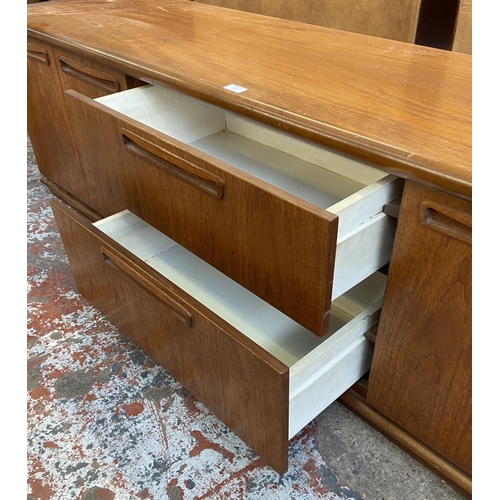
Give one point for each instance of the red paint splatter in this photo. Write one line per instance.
(36, 465)
(190, 405)
(133, 409)
(79, 357)
(50, 444)
(32, 338)
(56, 373)
(204, 444)
(241, 473)
(144, 494)
(79, 448)
(41, 491)
(40, 393)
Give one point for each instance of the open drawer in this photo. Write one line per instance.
(296, 224)
(260, 372)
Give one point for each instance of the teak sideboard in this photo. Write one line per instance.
(279, 214)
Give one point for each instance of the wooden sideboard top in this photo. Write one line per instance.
(398, 106)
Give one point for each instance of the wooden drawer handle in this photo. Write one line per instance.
(446, 220)
(146, 286)
(174, 164)
(38, 53)
(90, 75)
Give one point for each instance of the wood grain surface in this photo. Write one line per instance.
(236, 379)
(421, 375)
(70, 200)
(49, 127)
(462, 41)
(92, 80)
(276, 245)
(404, 108)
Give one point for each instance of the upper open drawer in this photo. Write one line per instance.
(296, 224)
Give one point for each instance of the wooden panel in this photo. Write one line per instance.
(240, 382)
(377, 18)
(462, 42)
(422, 365)
(71, 200)
(92, 80)
(49, 127)
(367, 97)
(279, 247)
(88, 77)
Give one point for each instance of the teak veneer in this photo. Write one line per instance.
(233, 182)
(377, 100)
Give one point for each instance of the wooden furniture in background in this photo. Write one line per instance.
(462, 41)
(373, 106)
(441, 24)
(376, 18)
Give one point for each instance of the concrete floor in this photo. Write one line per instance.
(106, 422)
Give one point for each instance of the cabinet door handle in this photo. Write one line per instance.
(38, 53)
(174, 164)
(90, 75)
(446, 220)
(145, 285)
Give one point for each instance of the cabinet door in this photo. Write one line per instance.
(49, 127)
(92, 80)
(422, 366)
(88, 77)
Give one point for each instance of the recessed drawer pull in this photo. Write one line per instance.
(147, 287)
(174, 164)
(38, 53)
(446, 220)
(90, 75)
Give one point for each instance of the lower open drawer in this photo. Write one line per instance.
(260, 372)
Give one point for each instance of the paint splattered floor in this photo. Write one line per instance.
(106, 422)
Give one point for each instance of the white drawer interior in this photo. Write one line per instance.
(337, 360)
(355, 192)
(310, 172)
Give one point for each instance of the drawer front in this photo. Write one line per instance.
(275, 245)
(237, 380)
